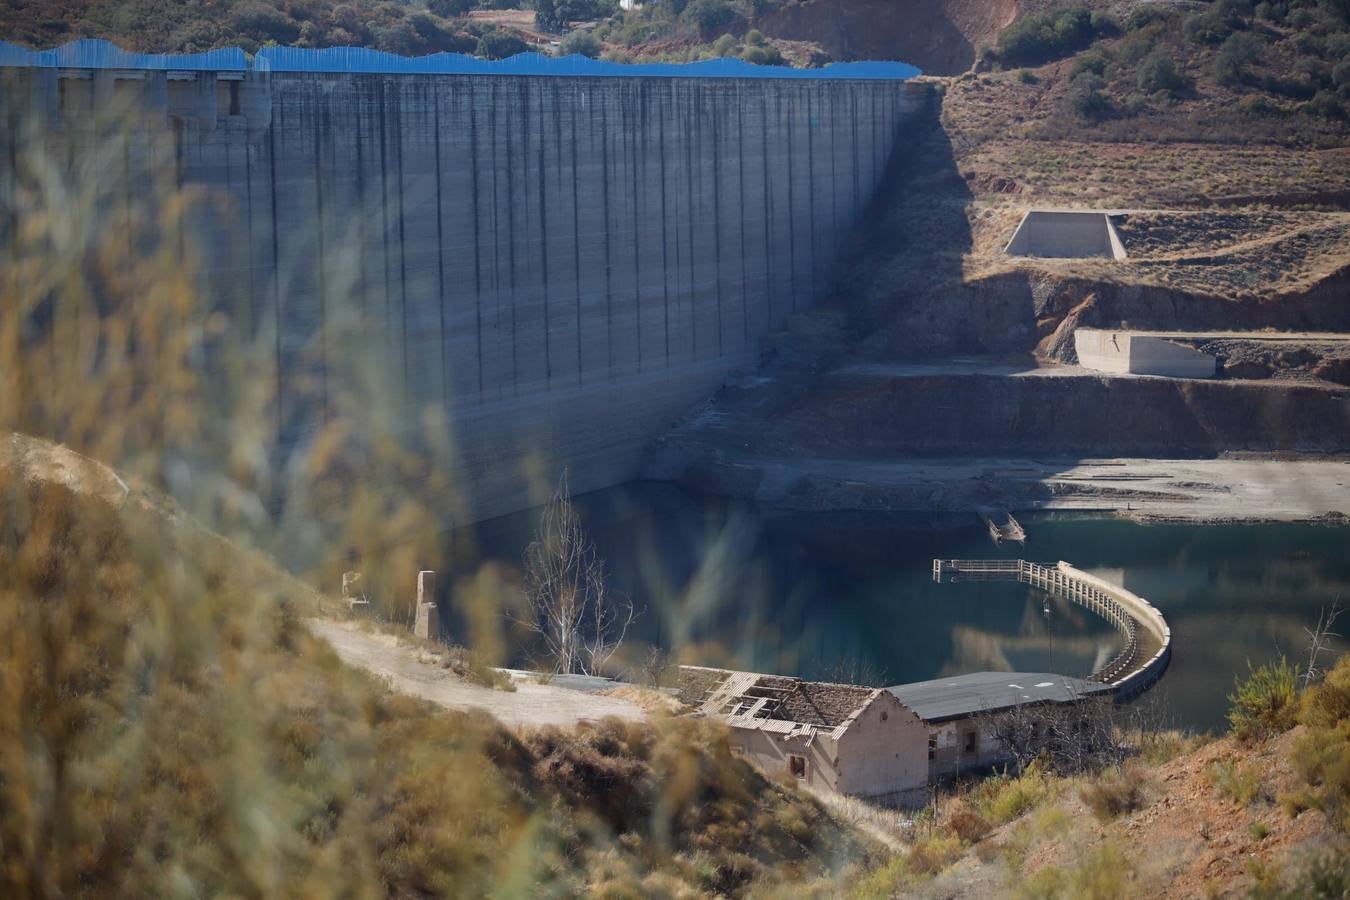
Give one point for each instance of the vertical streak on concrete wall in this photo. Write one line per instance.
(276, 273)
(320, 260)
(634, 129)
(503, 230)
(688, 132)
(441, 299)
(813, 186)
(471, 109)
(665, 236)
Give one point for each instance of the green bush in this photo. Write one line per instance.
(710, 15)
(265, 22)
(725, 45)
(1085, 98)
(1266, 703)
(1257, 105)
(1215, 24)
(1002, 799)
(580, 42)
(1095, 61)
(498, 44)
(1239, 51)
(762, 56)
(1326, 105)
(1159, 73)
(450, 9)
(1044, 36)
(1145, 15)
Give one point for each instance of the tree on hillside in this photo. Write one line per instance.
(580, 622)
(497, 43)
(581, 42)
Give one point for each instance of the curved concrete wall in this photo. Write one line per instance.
(1127, 676)
(1140, 677)
(564, 265)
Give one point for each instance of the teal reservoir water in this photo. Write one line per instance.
(850, 596)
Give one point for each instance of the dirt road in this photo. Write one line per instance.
(530, 704)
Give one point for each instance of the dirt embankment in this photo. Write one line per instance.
(942, 37)
(1027, 309)
(1207, 824)
(1081, 415)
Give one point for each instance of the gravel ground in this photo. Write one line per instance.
(531, 704)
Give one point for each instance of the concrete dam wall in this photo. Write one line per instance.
(563, 264)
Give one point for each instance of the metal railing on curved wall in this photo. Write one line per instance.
(1126, 672)
(96, 54)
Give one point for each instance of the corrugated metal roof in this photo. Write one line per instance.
(944, 699)
(96, 54)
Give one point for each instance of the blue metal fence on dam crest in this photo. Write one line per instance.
(96, 54)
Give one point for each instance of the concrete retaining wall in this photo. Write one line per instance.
(564, 265)
(1066, 234)
(1144, 674)
(1140, 354)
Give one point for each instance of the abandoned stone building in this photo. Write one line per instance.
(884, 744)
(966, 716)
(855, 740)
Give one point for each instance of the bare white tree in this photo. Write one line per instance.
(580, 622)
(1318, 639)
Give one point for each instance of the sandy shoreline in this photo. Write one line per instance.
(1189, 490)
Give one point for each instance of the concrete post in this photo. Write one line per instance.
(353, 595)
(428, 622)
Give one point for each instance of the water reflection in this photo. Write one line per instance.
(827, 595)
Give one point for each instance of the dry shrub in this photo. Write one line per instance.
(964, 822)
(1115, 793)
(934, 853)
(1328, 703)
(1238, 783)
(1003, 798)
(1266, 702)
(1103, 873)
(1321, 755)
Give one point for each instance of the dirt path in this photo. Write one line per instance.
(529, 704)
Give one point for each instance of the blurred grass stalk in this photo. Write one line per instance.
(121, 340)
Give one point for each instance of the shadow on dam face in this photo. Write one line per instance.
(913, 233)
(509, 274)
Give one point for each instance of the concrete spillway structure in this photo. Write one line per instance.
(1066, 234)
(564, 264)
(1140, 353)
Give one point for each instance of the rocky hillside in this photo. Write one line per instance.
(168, 726)
(1259, 813)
